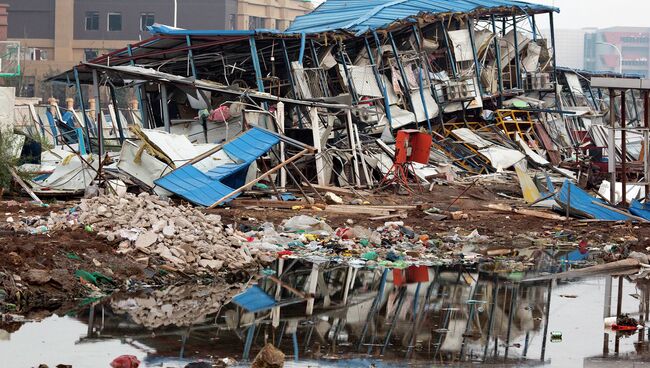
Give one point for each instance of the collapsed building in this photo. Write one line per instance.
(353, 94)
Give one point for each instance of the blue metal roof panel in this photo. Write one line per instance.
(251, 145)
(161, 29)
(195, 186)
(362, 15)
(207, 188)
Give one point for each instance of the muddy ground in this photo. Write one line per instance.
(62, 253)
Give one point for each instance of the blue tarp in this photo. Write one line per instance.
(206, 188)
(360, 16)
(584, 205)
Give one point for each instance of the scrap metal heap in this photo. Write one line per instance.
(337, 100)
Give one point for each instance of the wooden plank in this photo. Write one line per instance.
(359, 211)
(27, 189)
(401, 215)
(533, 213)
(272, 203)
(339, 190)
(248, 185)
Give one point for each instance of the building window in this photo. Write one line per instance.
(233, 21)
(278, 24)
(146, 20)
(92, 21)
(255, 22)
(90, 54)
(114, 21)
(33, 53)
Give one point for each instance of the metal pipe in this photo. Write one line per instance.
(164, 107)
(607, 310)
(552, 23)
(646, 121)
(432, 87)
(497, 51)
(301, 55)
(175, 13)
(256, 63)
(291, 81)
(348, 76)
(450, 55)
(405, 81)
(534, 26)
(477, 65)
(611, 152)
(83, 108)
(380, 82)
(118, 120)
(190, 55)
(623, 149)
(138, 91)
(619, 307)
(100, 128)
(511, 315)
(495, 290)
(517, 59)
(548, 312)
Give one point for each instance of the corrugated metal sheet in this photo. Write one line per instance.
(207, 188)
(360, 16)
(584, 205)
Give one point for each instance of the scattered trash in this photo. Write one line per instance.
(125, 361)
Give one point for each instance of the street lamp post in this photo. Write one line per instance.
(175, 12)
(620, 54)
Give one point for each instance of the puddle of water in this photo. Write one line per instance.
(421, 315)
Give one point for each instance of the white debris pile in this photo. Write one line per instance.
(184, 237)
(183, 305)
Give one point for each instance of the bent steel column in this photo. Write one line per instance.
(477, 66)
(287, 64)
(100, 127)
(380, 82)
(138, 91)
(497, 51)
(83, 107)
(118, 120)
(256, 64)
(517, 58)
(407, 86)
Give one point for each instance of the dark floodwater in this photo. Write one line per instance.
(423, 316)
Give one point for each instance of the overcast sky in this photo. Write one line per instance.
(599, 13)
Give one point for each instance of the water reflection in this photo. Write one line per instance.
(320, 314)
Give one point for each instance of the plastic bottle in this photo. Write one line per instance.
(39, 230)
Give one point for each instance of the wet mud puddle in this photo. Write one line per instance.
(357, 318)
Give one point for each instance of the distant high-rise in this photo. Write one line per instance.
(601, 50)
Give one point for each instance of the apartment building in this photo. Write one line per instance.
(57, 34)
(602, 49)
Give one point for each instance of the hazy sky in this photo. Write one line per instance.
(599, 13)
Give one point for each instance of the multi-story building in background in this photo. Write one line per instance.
(603, 45)
(57, 34)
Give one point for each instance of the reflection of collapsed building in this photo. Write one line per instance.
(337, 86)
(422, 313)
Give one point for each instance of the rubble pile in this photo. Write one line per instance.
(183, 236)
(183, 305)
